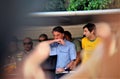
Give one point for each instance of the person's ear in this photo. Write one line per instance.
(93, 32)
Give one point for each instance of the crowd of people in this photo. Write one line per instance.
(65, 51)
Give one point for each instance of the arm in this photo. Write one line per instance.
(60, 41)
(78, 51)
(72, 56)
(31, 67)
(78, 60)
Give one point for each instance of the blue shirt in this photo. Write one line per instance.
(65, 53)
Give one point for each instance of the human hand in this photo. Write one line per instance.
(71, 65)
(60, 70)
(60, 41)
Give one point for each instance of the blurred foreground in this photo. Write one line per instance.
(104, 64)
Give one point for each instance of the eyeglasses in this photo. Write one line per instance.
(27, 43)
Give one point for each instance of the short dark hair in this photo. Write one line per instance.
(68, 34)
(58, 29)
(90, 26)
(44, 36)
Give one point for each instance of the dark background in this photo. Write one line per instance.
(13, 16)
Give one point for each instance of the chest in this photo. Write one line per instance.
(62, 49)
(90, 45)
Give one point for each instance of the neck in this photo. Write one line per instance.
(92, 37)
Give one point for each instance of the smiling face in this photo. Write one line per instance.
(58, 35)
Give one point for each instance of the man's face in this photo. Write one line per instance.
(86, 32)
(58, 35)
(41, 39)
(67, 38)
(27, 44)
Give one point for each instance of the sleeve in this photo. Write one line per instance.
(72, 52)
(77, 45)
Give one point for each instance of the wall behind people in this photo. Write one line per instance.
(76, 30)
(35, 31)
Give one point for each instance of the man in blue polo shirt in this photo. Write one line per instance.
(65, 51)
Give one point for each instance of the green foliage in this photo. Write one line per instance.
(75, 5)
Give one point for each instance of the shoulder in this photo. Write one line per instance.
(69, 44)
(76, 40)
(98, 39)
(84, 39)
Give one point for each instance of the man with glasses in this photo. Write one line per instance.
(28, 47)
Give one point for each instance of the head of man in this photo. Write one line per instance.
(68, 35)
(58, 32)
(89, 30)
(28, 44)
(43, 37)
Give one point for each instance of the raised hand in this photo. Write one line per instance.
(60, 41)
(31, 67)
